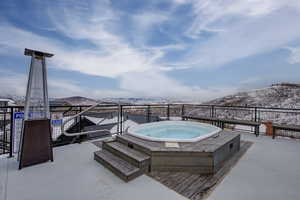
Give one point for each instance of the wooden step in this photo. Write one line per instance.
(118, 166)
(131, 155)
(131, 141)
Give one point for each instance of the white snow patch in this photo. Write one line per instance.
(126, 124)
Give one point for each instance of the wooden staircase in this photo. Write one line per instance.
(122, 159)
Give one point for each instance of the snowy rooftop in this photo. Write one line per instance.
(8, 101)
(269, 170)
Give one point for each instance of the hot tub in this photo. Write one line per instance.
(174, 131)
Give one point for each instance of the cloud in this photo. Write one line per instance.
(156, 84)
(110, 54)
(147, 20)
(143, 25)
(150, 81)
(294, 57)
(237, 29)
(134, 84)
(247, 38)
(60, 88)
(218, 14)
(87, 61)
(150, 84)
(14, 40)
(12, 84)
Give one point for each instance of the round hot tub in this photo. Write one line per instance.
(174, 131)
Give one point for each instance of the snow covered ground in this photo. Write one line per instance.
(127, 124)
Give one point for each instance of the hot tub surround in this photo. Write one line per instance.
(129, 156)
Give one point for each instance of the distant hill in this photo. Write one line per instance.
(138, 100)
(285, 95)
(75, 100)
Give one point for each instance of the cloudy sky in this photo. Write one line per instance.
(191, 49)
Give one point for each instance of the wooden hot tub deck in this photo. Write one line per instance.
(206, 145)
(128, 156)
(198, 186)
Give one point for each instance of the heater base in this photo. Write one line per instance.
(36, 143)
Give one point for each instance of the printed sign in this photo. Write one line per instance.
(56, 122)
(56, 119)
(18, 125)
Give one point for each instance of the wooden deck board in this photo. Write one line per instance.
(196, 186)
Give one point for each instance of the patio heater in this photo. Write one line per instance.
(35, 145)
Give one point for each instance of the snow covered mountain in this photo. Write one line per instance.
(280, 95)
(283, 95)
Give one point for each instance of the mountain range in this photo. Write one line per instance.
(281, 95)
(284, 95)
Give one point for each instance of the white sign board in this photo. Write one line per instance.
(18, 125)
(56, 123)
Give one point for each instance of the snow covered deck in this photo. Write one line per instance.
(269, 170)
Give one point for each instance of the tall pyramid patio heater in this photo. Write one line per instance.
(35, 145)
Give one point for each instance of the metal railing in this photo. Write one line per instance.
(77, 123)
(79, 115)
(287, 116)
(6, 127)
(77, 119)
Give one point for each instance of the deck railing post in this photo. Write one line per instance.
(212, 111)
(148, 113)
(182, 111)
(121, 118)
(11, 132)
(274, 133)
(168, 112)
(5, 138)
(255, 114)
(80, 125)
(118, 124)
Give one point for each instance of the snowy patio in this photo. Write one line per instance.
(268, 170)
